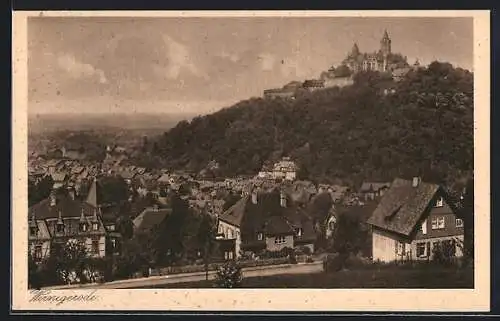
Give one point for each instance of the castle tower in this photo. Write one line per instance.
(385, 44)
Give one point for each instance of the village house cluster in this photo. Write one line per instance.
(272, 212)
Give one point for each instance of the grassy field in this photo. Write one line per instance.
(427, 278)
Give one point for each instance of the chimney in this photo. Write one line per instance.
(52, 198)
(282, 199)
(416, 181)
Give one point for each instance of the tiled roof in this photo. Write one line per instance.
(150, 218)
(59, 177)
(64, 204)
(278, 225)
(402, 206)
(252, 218)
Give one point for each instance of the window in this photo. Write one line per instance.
(421, 250)
(438, 222)
(229, 233)
(400, 248)
(279, 240)
(423, 227)
(439, 202)
(83, 227)
(95, 246)
(38, 252)
(60, 227)
(259, 236)
(33, 230)
(113, 243)
(111, 227)
(299, 232)
(95, 226)
(459, 222)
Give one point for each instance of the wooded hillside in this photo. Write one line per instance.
(350, 134)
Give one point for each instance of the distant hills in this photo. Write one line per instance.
(150, 122)
(374, 129)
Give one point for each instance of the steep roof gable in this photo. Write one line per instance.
(402, 206)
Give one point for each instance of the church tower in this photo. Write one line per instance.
(385, 44)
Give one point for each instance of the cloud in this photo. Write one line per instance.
(78, 69)
(231, 56)
(289, 67)
(267, 61)
(179, 59)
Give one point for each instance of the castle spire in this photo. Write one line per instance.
(386, 35)
(355, 50)
(385, 44)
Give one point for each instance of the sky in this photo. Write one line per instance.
(199, 65)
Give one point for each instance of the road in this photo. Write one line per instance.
(301, 268)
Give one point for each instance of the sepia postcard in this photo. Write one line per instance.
(251, 161)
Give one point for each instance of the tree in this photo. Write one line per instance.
(355, 132)
(168, 240)
(113, 190)
(40, 191)
(125, 226)
(228, 276)
(348, 237)
(34, 281)
(206, 238)
(342, 71)
(230, 200)
(70, 261)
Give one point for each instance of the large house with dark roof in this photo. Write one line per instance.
(61, 217)
(150, 219)
(263, 221)
(411, 219)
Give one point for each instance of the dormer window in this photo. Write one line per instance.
(95, 226)
(260, 236)
(300, 231)
(83, 227)
(439, 202)
(60, 227)
(33, 230)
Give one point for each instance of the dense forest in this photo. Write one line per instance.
(375, 129)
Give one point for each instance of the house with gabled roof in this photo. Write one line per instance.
(149, 219)
(412, 219)
(266, 221)
(61, 218)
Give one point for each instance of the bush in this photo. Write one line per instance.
(332, 263)
(228, 276)
(444, 252)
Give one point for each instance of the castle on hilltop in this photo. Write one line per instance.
(382, 60)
